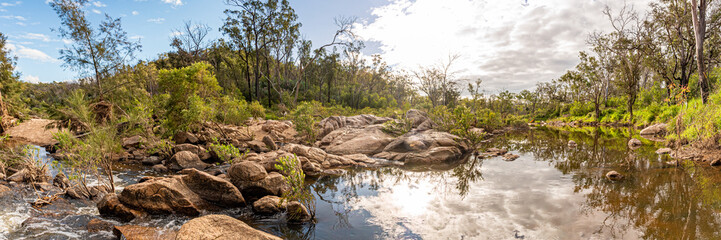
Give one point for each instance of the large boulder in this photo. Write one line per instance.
(164, 195)
(417, 117)
(110, 205)
(273, 184)
(247, 171)
(197, 150)
(218, 227)
(186, 159)
(655, 130)
(318, 156)
(135, 232)
(330, 124)
(213, 189)
(424, 147)
(367, 140)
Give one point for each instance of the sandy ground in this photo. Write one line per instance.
(33, 131)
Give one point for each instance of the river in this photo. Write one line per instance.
(551, 192)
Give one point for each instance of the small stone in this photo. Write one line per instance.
(61, 181)
(663, 151)
(151, 160)
(634, 142)
(510, 157)
(716, 163)
(160, 168)
(297, 212)
(269, 143)
(614, 176)
(572, 143)
(185, 137)
(132, 142)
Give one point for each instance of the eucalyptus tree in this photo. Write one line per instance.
(263, 33)
(95, 52)
(10, 87)
(698, 17)
(594, 78)
(625, 44)
(439, 82)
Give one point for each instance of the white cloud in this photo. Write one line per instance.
(175, 33)
(8, 4)
(30, 79)
(96, 11)
(35, 36)
(13, 17)
(30, 53)
(136, 37)
(135, 13)
(99, 4)
(156, 20)
(509, 44)
(67, 41)
(174, 2)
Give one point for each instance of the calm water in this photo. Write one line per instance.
(550, 192)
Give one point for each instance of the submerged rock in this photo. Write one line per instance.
(510, 157)
(217, 227)
(110, 205)
(614, 176)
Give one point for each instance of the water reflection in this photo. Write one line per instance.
(551, 192)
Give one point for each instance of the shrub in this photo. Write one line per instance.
(226, 152)
(304, 118)
(232, 111)
(189, 89)
(256, 109)
(460, 122)
(293, 174)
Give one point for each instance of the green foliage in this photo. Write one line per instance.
(232, 111)
(399, 126)
(461, 122)
(256, 110)
(305, 117)
(293, 174)
(226, 152)
(75, 113)
(91, 155)
(190, 91)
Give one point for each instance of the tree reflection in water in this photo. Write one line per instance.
(654, 201)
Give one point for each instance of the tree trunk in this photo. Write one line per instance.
(698, 13)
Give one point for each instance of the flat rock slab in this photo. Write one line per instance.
(34, 131)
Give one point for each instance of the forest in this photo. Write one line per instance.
(659, 66)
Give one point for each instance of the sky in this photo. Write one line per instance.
(508, 44)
